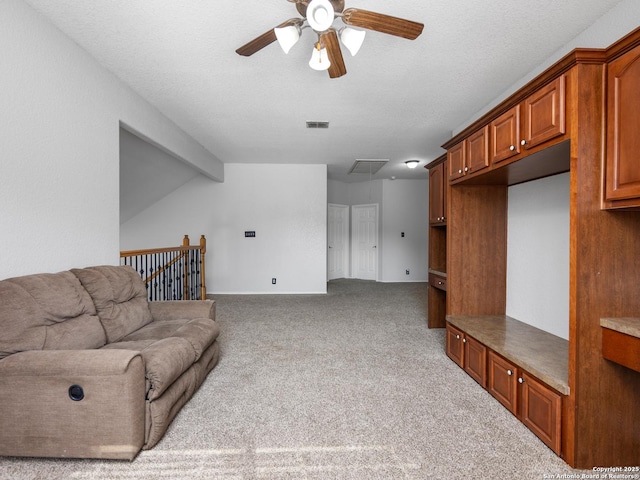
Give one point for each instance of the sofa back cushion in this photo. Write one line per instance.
(120, 298)
(47, 311)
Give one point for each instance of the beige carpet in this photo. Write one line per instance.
(349, 385)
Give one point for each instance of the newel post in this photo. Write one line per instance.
(203, 250)
(185, 272)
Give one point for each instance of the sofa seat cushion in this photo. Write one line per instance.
(164, 361)
(199, 332)
(169, 349)
(47, 311)
(120, 298)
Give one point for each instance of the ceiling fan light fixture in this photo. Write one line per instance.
(412, 163)
(352, 39)
(287, 36)
(320, 15)
(319, 58)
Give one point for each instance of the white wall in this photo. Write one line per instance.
(538, 254)
(405, 208)
(59, 130)
(286, 205)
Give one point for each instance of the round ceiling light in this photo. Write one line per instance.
(412, 163)
(320, 15)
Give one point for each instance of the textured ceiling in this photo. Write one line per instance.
(400, 99)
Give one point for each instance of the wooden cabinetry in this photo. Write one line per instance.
(505, 135)
(502, 383)
(438, 281)
(455, 347)
(437, 194)
(539, 118)
(538, 406)
(468, 354)
(469, 156)
(540, 410)
(437, 296)
(544, 114)
(475, 360)
(622, 186)
(579, 116)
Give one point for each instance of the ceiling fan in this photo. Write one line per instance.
(319, 15)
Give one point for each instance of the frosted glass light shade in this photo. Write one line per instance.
(320, 15)
(352, 39)
(287, 37)
(319, 59)
(412, 163)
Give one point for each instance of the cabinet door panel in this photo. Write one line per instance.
(455, 347)
(456, 157)
(502, 381)
(505, 135)
(541, 410)
(475, 359)
(436, 194)
(477, 151)
(544, 113)
(623, 118)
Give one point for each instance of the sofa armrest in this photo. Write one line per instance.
(44, 415)
(182, 309)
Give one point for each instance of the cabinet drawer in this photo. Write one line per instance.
(437, 281)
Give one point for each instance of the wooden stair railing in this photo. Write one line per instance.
(171, 273)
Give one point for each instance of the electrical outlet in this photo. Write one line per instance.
(250, 233)
(273, 281)
(407, 271)
(402, 234)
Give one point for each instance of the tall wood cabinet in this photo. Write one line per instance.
(437, 290)
(579, 116)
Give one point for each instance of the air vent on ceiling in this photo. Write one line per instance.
(317, 124)
(367, 166)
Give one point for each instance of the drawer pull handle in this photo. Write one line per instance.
(509, 372)
(458, 337)
(520, 380)
(512, 148)
(464, 340)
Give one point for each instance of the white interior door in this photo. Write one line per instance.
(337, 241)
(365, 241)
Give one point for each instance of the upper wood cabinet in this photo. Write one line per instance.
(437, 192)
(623, 142)
(534, 121)
(544, 114)
(505, 135)
(469, 156)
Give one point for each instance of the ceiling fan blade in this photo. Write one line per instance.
(382, 23)
(330, 41)
(264, 40)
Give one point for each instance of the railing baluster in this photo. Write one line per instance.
(173, 273)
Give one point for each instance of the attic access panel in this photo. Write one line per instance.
(367, 166)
